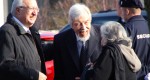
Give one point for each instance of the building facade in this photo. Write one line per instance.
(5, 6)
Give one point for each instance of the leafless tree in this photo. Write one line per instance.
(54, 13)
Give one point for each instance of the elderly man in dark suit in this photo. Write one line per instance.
(20, 50)
(77, 46)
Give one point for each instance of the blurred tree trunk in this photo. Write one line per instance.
(82, 1)
(104, 5)
(54, 13)
(147, 7)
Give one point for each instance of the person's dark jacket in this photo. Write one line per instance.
(19, 58)
(138, 29)
(66, 56)
(111, 65)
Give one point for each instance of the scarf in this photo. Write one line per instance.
(131, 57)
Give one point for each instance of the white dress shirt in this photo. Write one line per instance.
(24, 27)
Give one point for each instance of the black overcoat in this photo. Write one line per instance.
(111, 65)
(19, 57)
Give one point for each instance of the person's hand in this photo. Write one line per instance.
(77, 78)
(42, 76)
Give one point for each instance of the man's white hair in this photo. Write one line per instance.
(15, 4)
(77, 10)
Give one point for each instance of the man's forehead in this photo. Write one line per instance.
(30, 3)
(82, 18)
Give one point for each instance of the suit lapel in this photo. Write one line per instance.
(92, 43)
(72, 46)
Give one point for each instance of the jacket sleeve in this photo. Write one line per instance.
(9, 67)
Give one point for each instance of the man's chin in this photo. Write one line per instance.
(83, 38)
(31, 24)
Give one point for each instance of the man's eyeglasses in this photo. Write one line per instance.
(29, 8)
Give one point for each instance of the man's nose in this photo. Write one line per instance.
(83, 26)
(34, 13)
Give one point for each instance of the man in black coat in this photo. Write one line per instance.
(138, 30)
(69, 57)
(21, 56)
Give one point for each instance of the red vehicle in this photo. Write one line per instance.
(47, 37)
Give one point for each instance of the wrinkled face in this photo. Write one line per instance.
(82, 26)
(27, 14)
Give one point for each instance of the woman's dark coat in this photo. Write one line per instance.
(111, 65)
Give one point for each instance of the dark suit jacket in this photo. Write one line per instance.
(66, 58)
(19, 58)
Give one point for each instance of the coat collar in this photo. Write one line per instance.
(137, 17)
(12, 21)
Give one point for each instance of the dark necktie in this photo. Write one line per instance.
(82, 57)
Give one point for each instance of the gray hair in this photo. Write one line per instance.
(77, 10)
(15, 4)
(114, 32)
